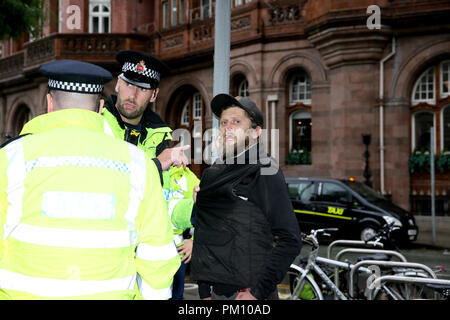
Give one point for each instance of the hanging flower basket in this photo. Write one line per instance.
(301, 156)
(419, 161)
(443, 161)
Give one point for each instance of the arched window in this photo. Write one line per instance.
(239, 86)
(194, 105)
(430, 100)
(300, 89)
(421, 123)
(99, 16)
(424, 88)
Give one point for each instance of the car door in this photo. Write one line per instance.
(303, 195)
(334, 205)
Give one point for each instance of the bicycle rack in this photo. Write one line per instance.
(387, 264)
(352, 250)
(343, 243)
(378, 281)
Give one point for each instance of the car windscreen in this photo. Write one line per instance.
(364, 191)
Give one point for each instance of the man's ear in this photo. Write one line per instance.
(100, 106)
(117, 85)
(50, 105)
(256, 132)
(154, 95)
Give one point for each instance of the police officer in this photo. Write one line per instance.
(131, 119)
(241, 210)
(82, 213)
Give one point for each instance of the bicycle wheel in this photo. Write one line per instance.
(404, 291)
(302, 289)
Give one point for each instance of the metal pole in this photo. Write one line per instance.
(222, 31)
(433, 208)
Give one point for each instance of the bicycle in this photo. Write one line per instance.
(303, 285)
(312, 277)
(403, 290)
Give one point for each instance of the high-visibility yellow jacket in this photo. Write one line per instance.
(178, 183)
(82, 215)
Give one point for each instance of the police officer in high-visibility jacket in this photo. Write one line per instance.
(130, 118)
(82, 214)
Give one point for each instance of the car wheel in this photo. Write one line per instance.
(367, 232)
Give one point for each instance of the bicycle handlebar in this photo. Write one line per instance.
(313, 234)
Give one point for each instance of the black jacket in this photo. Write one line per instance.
(269, 194)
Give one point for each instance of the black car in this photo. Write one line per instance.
(355, 209)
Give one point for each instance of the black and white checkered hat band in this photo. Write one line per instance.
(128, 66)
(75, 86)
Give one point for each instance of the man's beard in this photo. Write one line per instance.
(129, 114)
(232, 150)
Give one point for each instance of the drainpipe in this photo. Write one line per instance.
(381, 97)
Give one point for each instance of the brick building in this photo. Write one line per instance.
(314, 67)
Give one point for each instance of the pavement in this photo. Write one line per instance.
(424, 253)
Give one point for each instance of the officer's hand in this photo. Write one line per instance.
(186, 250)
(174, 157)
(194, 195)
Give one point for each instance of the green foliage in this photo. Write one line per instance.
(301, 156)
(420, 161)
(19, 16)
(443, 162)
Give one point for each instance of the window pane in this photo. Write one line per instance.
(185, 114)
(301, 132)
(307, 193)
(243, 88)
(197, 106)
(445, 71)
(105, 24)
(105, 9)
(205, 8)
(303, 191)
(165, 17)
(446, 127)
(95, 9)
(300, 89)
(181, 12)
(424, 88)
(95, 23)
(174, 13)
(422, 124)
(332, 192)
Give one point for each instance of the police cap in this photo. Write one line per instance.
(223, 100)
(75, 76)
(141, 69)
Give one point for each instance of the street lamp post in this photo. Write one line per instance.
(221, 77)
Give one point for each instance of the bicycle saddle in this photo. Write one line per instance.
(376, 256)
(443, 289)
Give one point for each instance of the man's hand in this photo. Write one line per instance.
(245, 295)
(194, 195)
(186, 250)
(174, 157)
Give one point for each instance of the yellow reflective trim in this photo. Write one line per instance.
(323, 214)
